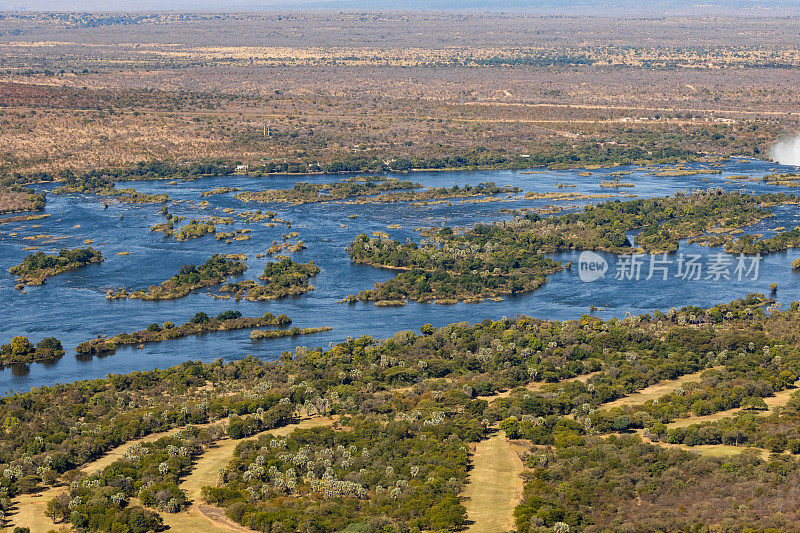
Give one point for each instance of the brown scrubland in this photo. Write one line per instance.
(91, 91)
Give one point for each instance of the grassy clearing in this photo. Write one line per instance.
(724, 450)
(713, 417)
(778, 400)
(30, 508)
(206, 469)
(653, 392)
(712, 450)
(118, 452)
(535, 386)
(198, 518)
(494, 487)
(781, 398)
(207, 518)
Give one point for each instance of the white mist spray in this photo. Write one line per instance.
(786, 151)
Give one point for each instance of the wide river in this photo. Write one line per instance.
(73, 307)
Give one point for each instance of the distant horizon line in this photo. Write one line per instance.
(788, 12)
(550, 7)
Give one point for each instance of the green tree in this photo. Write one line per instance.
(754, 402)
(511, 426)
(21, 346)
(621, 423)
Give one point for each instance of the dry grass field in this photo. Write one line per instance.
(494, 486)
(714, 450)
(779, 399)
(30, 508)
(205, 472)
(654, 392)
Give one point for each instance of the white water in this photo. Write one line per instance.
(787, 151)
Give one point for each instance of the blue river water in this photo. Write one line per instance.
(73, 307)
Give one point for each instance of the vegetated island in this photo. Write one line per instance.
(294, 331)
(199, 324)
(220, 190)
(23, 218)
(189, 277)
(104, 186)
(37, 267)
(789, 179)
(282, 278)
(505, 258)
(289, 247)
(615, 184)
(439, 193)
(259, 216)
(367, 190)
(681, 170)
(458, 270)
(304, 193)
(193, 229)
(559, 196)
(21, 350)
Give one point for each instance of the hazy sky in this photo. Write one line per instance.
(589, 6)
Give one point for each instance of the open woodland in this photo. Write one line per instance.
(391, 429)
(683, 419)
